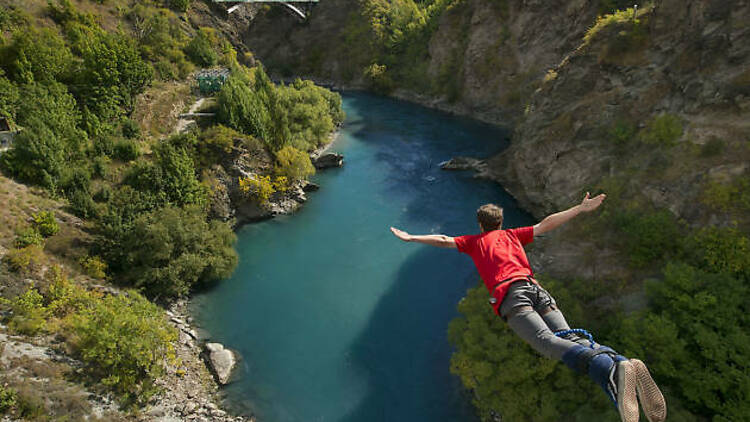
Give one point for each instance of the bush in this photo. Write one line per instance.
(662, 130)
(257, 187)
(696, 340)
(294, 164)
(112, 74)
(124, 341)
(130, 129)
(622, 132)
(82, 205)
(715, 146)
(23, 259)
(200, 50)
(94, 267)
(29, 313)
(301, 114)
(10, 95)
(28, 236)
(100, 167)
(8, 399)
(733, 196)
(216, 142)
(50, 139)
(179, 5)
(243, 108)
(126, 150)
(171, 177)
(45, 223)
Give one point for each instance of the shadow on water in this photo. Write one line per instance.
(406, 339)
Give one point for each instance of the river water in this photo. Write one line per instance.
(336, 320)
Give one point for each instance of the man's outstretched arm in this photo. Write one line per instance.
(438, 240)
(554, 221)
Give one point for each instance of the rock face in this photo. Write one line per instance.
(221, 362)
(328, 160)
(568, 139)
(229, 202)
(497, 51)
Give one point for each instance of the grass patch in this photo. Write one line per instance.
(663, 130)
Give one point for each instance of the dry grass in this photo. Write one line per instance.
(157, 109)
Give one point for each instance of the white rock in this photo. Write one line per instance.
(221, 361)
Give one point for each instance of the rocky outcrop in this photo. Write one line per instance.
(328, 160)
(221, 361)
(463, 163)
(229, 202)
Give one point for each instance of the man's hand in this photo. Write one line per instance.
(406, 237)
(439, 240)
(590, 204)
(554, 221)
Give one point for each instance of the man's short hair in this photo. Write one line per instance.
(490, 217)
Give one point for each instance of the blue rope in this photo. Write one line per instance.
(579, 331)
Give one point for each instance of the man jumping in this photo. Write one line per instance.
(532, 313)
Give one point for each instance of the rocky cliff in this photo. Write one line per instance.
(481, 58)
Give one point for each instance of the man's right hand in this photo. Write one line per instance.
(406, 237)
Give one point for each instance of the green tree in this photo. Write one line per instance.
(39, 55)
(113, 74)
(241, 107)
(171, 177)
(173, 249)
(10, 95)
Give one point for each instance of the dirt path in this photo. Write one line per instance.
(182, 124)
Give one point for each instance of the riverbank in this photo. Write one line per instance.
(190, 391)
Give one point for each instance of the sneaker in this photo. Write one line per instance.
(623, 383)
(651, 398)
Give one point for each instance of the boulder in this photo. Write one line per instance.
(310, 187)
(328, 160)
(221, 361)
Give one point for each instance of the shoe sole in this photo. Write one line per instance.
(654, 405)
(627, 402)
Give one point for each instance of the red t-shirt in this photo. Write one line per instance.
(499, 256)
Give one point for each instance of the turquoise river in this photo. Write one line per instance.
(335, 319)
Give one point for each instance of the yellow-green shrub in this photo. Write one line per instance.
(294, 164)
(45, 223)
(93, 266)
(23, 259)
(29, 313)
(257, 187)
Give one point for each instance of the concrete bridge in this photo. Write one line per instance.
(288, 3)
